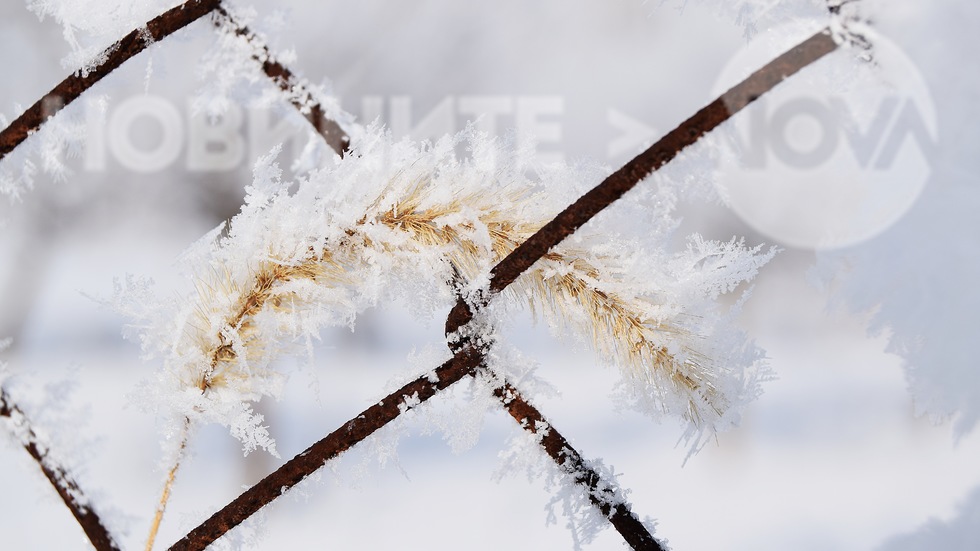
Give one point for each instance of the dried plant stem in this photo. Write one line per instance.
(69, 491)
(168, 485)
(251, 302)
(115, 55)
(619, 326)
(422, 225)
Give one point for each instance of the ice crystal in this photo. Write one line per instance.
(399, 220)
(570, 499)
(48, 150)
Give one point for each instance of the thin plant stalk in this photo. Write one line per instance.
(168, 486)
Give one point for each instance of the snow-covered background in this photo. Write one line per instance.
(833, 455)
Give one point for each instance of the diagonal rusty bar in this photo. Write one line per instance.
(69, 491)
(300, 96)
(354, 431)
(602, 493)
(633, 172)
(115, 55)
(158, 28)
(583, 210)
(463, 364)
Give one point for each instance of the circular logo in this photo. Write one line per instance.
(835, 154)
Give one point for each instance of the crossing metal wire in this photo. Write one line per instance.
(468, 358)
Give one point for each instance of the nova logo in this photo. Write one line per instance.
(780, 135)
(834, 155)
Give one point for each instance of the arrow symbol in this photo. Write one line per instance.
(635, 134)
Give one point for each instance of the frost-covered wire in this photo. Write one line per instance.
(599, 489)
(337, 442)
(241, 43)
(15, 421)
(92, 62)
(107, 61)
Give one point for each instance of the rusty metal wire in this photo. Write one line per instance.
(114, 56)
(59, 477)
(468, 359)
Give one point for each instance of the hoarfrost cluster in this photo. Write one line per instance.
(47, 150)
(395, 220)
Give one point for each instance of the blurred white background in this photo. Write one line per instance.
(830, 457)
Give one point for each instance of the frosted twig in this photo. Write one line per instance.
(71, 494)
(296, 88)
(115, 55)
(331, 132)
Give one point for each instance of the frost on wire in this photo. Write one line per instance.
(396, 220)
